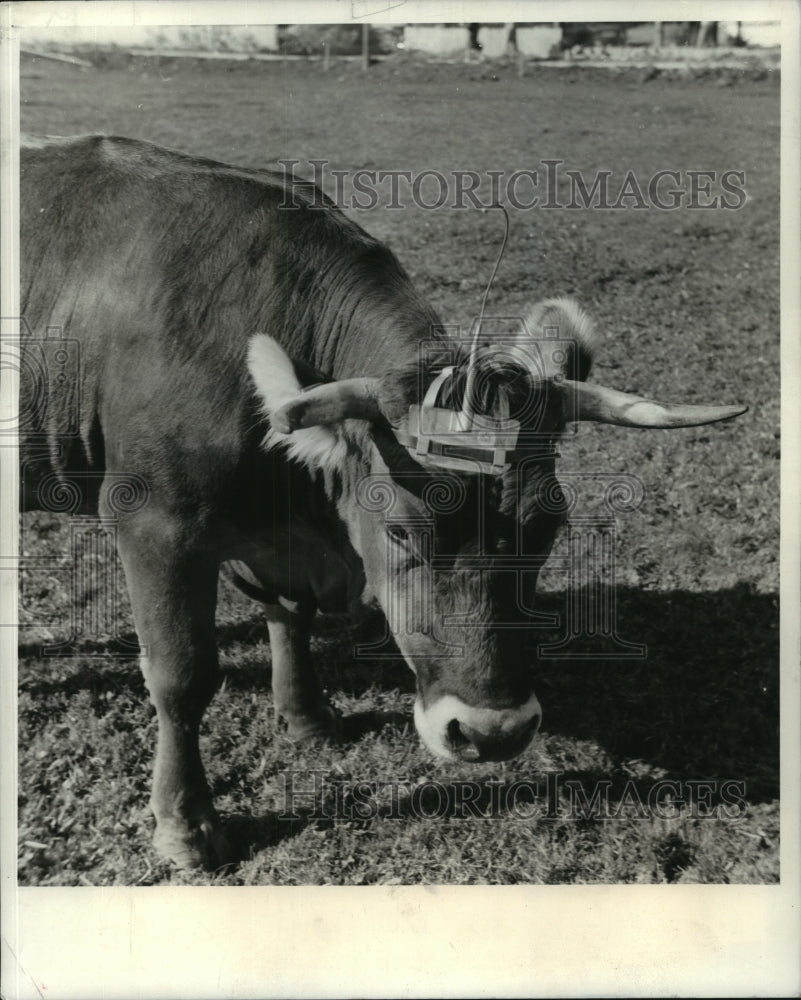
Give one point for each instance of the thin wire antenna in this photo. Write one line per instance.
(467, 406)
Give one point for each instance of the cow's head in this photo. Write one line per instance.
(452, 548)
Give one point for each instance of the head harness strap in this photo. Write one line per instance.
(452, 439)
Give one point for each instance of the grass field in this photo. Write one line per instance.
(687, 301)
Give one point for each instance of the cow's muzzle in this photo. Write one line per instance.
(452, 729)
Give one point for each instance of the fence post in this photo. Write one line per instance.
(365, 47)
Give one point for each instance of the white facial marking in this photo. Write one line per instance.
(432, 723)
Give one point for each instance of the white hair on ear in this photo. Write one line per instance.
(272, 371)
(561, 319)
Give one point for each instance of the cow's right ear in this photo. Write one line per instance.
(277, 385)
(310, 423)
(348, 399)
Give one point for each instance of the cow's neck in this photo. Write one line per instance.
(371, 324)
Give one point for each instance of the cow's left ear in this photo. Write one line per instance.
(565, 336)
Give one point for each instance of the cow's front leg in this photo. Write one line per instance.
(172, 581)
(299, 699)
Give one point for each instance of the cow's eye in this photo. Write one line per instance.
(398, 534)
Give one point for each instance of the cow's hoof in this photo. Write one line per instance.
(324, 723)
(197, 845)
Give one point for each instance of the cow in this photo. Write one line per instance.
(252, 361)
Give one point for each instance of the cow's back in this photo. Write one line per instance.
(151, 270)
(112, 262)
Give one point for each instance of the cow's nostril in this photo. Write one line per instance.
(473, 745)
(462, 744)
(455, 735)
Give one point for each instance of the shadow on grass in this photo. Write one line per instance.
(359, 724)
(701, 703)
(249, 835)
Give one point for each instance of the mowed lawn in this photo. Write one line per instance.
(687, 304)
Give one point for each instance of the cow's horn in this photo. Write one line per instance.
(328, 404)
(586, 401)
